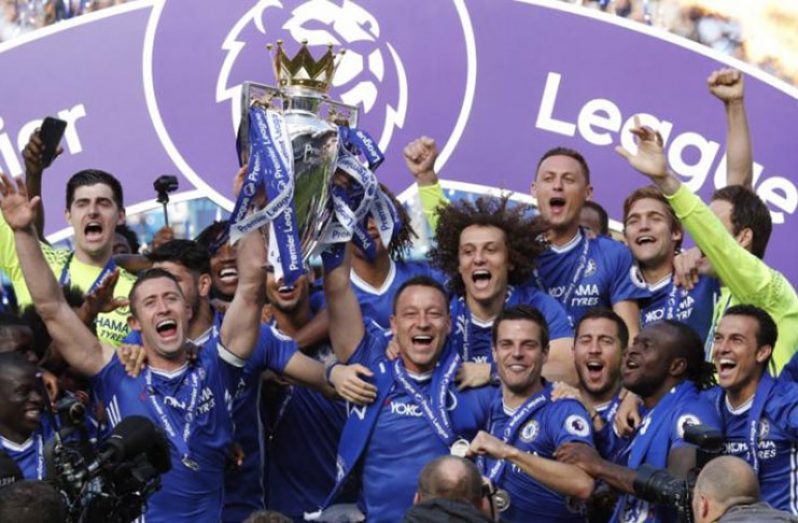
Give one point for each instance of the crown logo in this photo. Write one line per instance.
(303, 70)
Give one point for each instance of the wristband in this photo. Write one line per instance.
(328, 371)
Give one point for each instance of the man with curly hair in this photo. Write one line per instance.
(487, 249)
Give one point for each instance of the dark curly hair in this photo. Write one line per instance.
(402, 240)
(524, 234)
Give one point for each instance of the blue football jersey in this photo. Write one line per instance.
(555, 423)
(778, 470)
(478, 347)
(661, 431)
(29, 455)
(694, 308)
(245, 486)
(377, 303)
(587, 273)
(186, 495)
(402, 441)
(294, 450)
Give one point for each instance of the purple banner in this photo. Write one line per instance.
(152, 87)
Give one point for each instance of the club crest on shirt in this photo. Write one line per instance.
(577, 425)
(684, 421)
(530, 431)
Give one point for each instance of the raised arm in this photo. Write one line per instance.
(346, 320)
(727, 86)
(420, 156)
(79, 347)
(241, 324)
(34, 169)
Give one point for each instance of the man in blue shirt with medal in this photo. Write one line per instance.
(188, 400)
(664, 366)
(526, 427)
(419, 413)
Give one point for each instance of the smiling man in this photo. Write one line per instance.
(419, 413)
(654, 236)
(579, 271)
(23, 430)
(526, 427)
(94, 207)
(664, 366)
(758, 413)
(188, 400)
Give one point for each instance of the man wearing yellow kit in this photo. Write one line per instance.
(94, 207)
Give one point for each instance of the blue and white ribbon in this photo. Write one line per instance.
(270, 166)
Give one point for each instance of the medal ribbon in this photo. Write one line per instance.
(65, 279)
(510, 432)
(577, 275)
(271, 165)
(179, 441)
(435, 414)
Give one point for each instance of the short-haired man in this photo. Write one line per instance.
(188, 262)
(579, 271)
(23, 428)
(664, 366)
(487, 250)
(419, 413)
(600, 340)
(757, 411)
(188, 400)
(654, 236)
(726, 491)
(449, 486)
(94, 207)
(526, 427)
(32, 502)
(732, 232)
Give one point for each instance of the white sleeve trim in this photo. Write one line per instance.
(229, 357)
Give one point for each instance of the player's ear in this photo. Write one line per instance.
(763, 353)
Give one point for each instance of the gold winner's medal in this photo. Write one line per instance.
(460, 448)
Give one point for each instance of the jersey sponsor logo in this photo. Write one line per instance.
(530, 431)
(577, 425)
(402, 408)
(685, 421)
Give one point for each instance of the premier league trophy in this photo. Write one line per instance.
(292, 136)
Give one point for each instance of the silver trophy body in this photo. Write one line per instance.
(309, 116)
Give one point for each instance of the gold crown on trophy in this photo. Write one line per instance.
(304, 70)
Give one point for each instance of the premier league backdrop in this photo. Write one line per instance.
(153, 87)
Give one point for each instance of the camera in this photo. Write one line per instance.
(163, 185)
(112, 483)
(658, 486)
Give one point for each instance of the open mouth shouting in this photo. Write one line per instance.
(725, 368)
(557, 206)
(166, 329)
(481, 279)
(93, 231)
(33, 414)
(594, 370)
